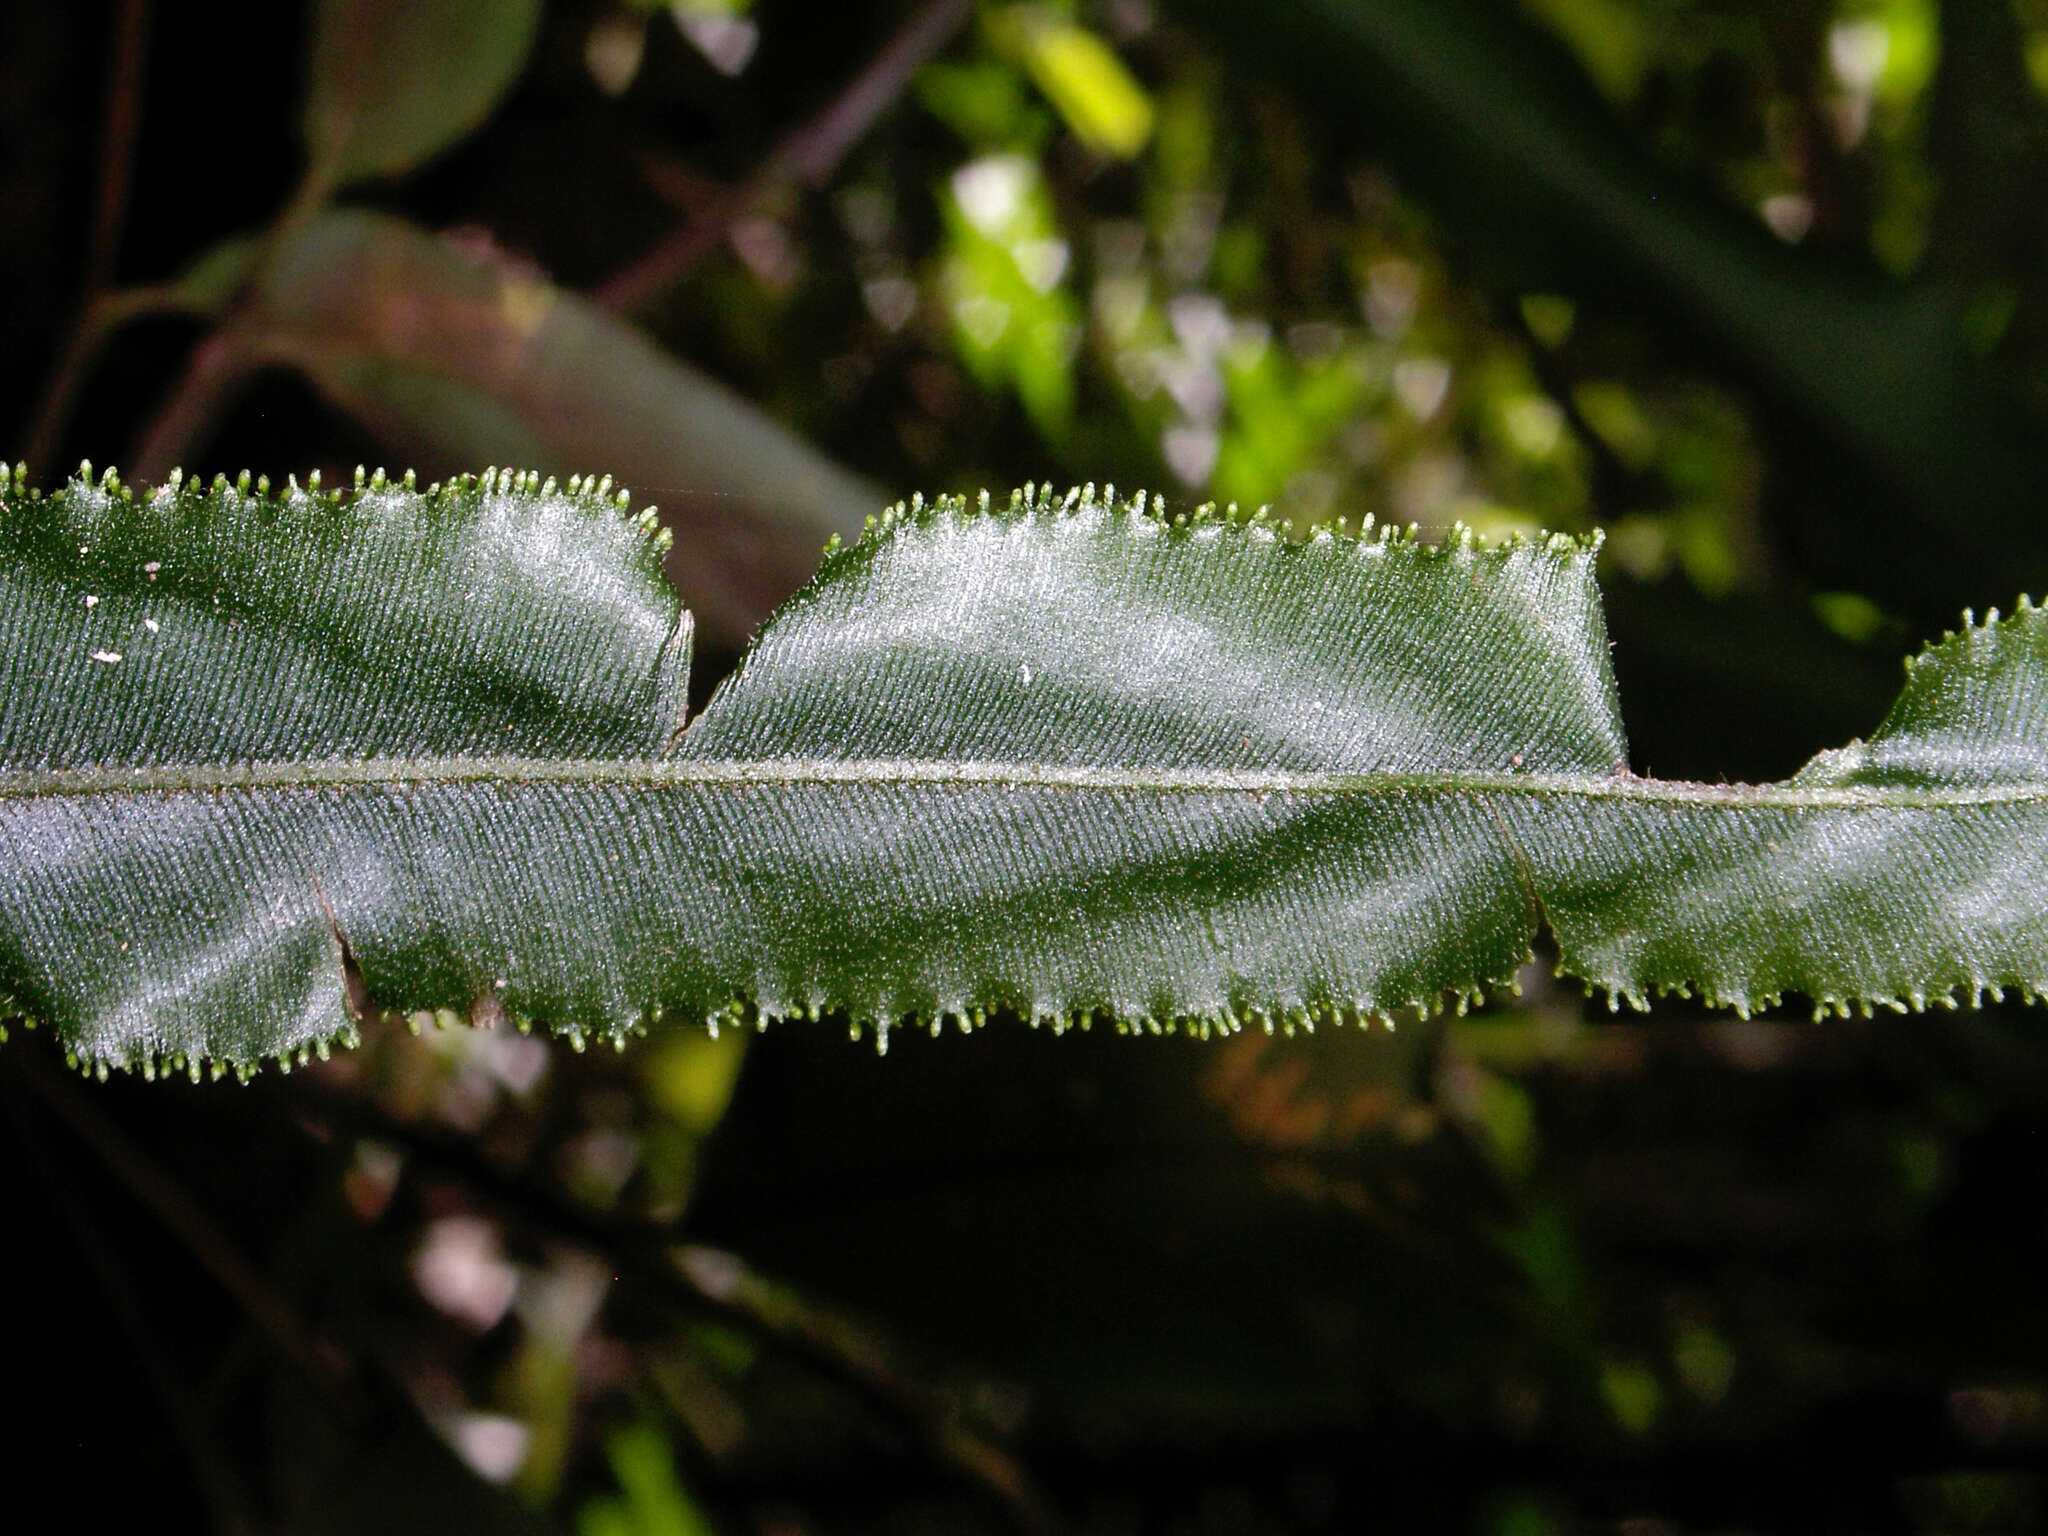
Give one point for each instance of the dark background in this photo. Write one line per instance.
(1756, 288)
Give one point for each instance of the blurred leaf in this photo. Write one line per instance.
(1081, 75)
(455, 357)
(691, 1078)
(1911, 41)
(217, 277)
(1850, 614)
(652, 1501)
(984, 103)
(1607, 35)
(1611, 411)
(1549, 317)
(395, 82)
(1014, 321)
(1064, 758)
(1902, 436)
(1632, 1395)
(1282, 414)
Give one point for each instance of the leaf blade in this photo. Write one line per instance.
(948, 780)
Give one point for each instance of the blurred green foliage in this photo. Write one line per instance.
(1758, 288)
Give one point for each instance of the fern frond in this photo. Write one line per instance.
(268, 763)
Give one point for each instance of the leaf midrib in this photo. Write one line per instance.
(664, 773)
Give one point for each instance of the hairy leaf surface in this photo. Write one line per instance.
(267, 764)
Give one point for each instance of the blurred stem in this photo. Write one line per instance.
(210, 1471)
(171, 1205)
(117, 146)
(709, 1279)
(807, 155)
(724, 1281)
(103, 316)
(222, 362)
(109, 217)
(217, 367)
(214, 375)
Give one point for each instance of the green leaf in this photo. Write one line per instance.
(395, 82)
(270, 764)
